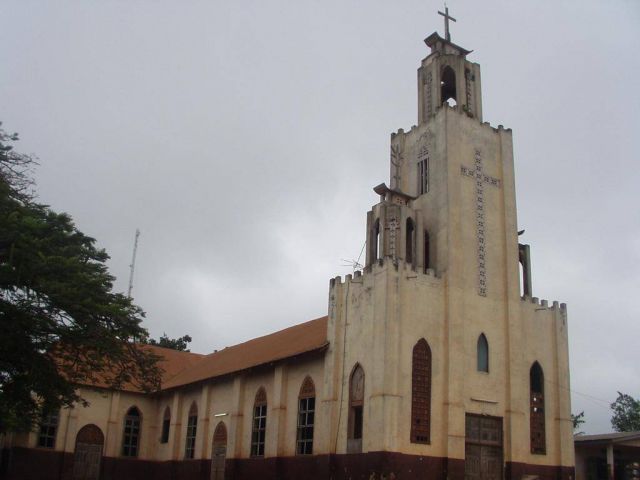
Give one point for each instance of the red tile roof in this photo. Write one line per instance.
(305, 337)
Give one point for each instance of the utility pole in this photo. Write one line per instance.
(133, 263)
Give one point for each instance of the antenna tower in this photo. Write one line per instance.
(133, 263)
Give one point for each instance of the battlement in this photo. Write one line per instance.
(543, 304)
(461, 110)
(380, 265)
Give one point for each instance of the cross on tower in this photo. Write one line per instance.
(446, 16)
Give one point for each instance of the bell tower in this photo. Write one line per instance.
(447, 76)
(453, 346)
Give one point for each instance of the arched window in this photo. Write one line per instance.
(192, 428)
(259, 427)
(448, 85)
(356, 409)
(537, 424)
(306, 417)
(483, 354)
(131, 438)
(166, 425)
(421, 393)
(48, 431)
(410, 242)
(427, 252)
(376, 248)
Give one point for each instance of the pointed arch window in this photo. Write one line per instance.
(259, 427)
(423, 171)
(483, 354)
(131, 438)
(427, 252)
(536, 418)
(376, 248)
(356, 410)
(448, 85)
(192, 430)
(410, 241)
(306, 417)
(166, 425)
(421, 393)
(48, 430)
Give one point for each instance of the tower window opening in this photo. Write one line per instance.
(448, 86)
(421, 393)
(536, 415)
(427, 253)
(410, 232)
(483, 354)
(377, 242)
(423, 176)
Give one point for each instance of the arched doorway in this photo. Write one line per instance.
(88, 453)
(219, 452)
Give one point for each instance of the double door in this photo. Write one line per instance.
(483, 448)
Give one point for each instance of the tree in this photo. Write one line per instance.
(60, 322)
(180, 344)
(577, 421)
(626, 413)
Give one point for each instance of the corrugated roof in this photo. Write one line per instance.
(606, 437)
(292, 341)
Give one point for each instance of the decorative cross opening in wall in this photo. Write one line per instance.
(397, 158)
(480, 179)
(447, 17)
(392, 228)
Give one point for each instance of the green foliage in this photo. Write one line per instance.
(626, 413)
(60, 322)
(577, 421)
(180, 344)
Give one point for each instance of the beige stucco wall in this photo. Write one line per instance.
(233, 396)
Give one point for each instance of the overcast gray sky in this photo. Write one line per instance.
(243, 139)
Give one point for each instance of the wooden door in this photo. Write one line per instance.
(483, 448)
(88, 453)
(219, 452)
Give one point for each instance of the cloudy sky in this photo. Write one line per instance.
(243, 139)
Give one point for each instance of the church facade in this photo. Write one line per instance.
(434, 362)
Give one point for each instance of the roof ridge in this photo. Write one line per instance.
(254, 339)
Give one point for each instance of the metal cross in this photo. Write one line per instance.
(446, 16)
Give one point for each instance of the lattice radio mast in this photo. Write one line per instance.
(133, 263)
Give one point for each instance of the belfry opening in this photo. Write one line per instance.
(448, 86)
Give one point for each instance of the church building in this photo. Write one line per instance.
(435, 361)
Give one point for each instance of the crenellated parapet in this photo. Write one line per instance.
(453, 109)
(381, 265)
